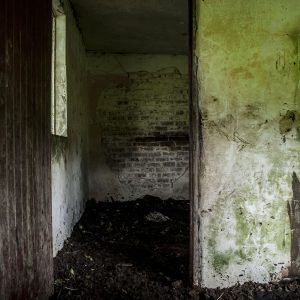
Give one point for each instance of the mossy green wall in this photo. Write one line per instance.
(248, 74)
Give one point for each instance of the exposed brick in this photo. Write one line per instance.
(181, 164)
(169, 164)
(161, 180)
(145, 129)
(162, 159)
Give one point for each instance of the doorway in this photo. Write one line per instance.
(127, 145)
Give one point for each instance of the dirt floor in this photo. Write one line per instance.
(139, 250)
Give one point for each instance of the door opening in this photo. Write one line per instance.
(127, 150)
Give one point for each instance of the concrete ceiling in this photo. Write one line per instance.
(133, 26)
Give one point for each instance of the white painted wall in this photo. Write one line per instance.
(69, 154)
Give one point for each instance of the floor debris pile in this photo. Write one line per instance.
(139, 250)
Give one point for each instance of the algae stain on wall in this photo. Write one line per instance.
(248, 76)
(250, 232)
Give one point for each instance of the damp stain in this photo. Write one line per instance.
(289, 121)
(294, 216)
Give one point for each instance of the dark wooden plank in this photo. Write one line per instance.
(10, 163)
(3, 203)
(25, 203)
(23, 132)
(30, 137)
(34, 154)
(17, 112)
(46, 206)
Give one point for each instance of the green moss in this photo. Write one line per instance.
(252, 232)
(243, 226)
(280, 226)
(241, 254)
(221, 261)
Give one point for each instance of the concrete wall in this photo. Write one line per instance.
(248, 75)
(69, 154)
(138, 124)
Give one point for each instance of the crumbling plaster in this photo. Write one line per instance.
(138, 126)
(248, 75)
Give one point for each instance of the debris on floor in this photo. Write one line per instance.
(139, 250)
(156, 216)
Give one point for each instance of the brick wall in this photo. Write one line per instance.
(141, 121)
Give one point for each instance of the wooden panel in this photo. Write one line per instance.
(25, 203)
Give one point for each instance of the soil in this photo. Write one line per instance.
(140, 250)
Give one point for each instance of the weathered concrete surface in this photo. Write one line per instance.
(138, 127)
(59, 117)
(248, 73)
(69, 154)
(130, 26)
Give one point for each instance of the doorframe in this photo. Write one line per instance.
(195, 262)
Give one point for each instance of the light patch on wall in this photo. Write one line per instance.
(59, 76)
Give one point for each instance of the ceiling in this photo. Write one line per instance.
(133, 26)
